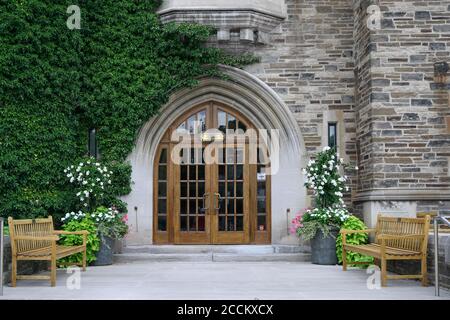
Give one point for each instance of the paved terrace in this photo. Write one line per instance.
(219, 280)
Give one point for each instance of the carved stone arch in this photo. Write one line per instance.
(257, 102)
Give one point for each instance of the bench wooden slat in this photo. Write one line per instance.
(392, 243)
(35, 239)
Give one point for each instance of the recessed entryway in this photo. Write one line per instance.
(199, 202)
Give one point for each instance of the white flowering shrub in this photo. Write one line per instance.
(90, 179)
(324, 179)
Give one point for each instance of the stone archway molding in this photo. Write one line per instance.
(261, 105)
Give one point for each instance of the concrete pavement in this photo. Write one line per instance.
(158, 280)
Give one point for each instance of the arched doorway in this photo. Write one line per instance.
(202, 202)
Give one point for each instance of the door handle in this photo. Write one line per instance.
(218, 201)
(205, 208)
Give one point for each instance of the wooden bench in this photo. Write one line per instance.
(35, 239)
(395, 239)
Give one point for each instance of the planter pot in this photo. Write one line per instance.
(323, 250)
(118, 246)
(105, 254)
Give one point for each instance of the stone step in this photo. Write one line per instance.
(211, 257)
(202, 249)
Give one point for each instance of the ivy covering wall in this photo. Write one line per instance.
(112, 74)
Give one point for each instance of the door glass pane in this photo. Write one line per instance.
(162, 206)
(222, 206)
(239, 223)
(221, 172)
(242, 126)
(162, 189)
(230, 223)
(192, 190)
(231, 122)
(201, 189)
(230, 206)
(162, 172)
(183, 206)
(192, 206)
(191, 124)
(162, 223)
(201, 172)
(192, 223)
(222, 223)
(261, 223)
(239, 189)
(239, 172)
(222, 189)
(183, 223)
(230, 172)
(183, 171)
(192, 172)
(230, 189)
(163, 157)
(262, 189)
(222, 121)
(261, 205)
(201, 223)
(240, 206)
(202, 120)
(183, 189)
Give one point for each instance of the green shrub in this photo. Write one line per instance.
(93, 241)
(353, 223)
(113, 75)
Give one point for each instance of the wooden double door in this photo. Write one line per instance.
(211, 196)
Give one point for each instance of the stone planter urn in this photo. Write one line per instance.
(105, 253)
(118, 246)
(323, 250)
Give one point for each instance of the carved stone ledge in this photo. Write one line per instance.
(403, 195)
(253, 26)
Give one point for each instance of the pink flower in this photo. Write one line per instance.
(125, 218)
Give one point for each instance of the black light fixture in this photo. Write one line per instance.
(93, 148)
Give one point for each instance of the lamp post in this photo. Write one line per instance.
(93, 147)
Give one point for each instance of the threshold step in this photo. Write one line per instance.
(282, 257)
(198, 249)
(211, 257)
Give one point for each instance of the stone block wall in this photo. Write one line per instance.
(402, 113)
(308, 60)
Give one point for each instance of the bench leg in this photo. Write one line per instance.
(383, 272)
(14, 272)
(424, 272)
(53, 273)
(344, 259)
(84, 259)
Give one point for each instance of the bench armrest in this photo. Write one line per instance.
(82, 232)
(395, 237)
(346, 231)
(37, 238)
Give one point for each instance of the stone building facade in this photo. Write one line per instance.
(321, 63)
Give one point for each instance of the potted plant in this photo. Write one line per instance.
(111, 226)
(320, 225)
(92, 185)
